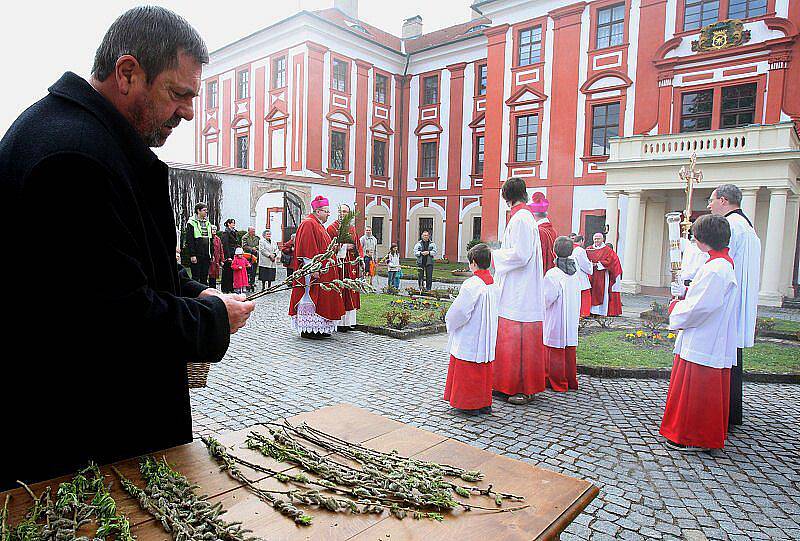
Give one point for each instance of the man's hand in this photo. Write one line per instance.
(193, 259)
(238, 308)
(677, 289)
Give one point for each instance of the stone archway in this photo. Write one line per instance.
(268, 194)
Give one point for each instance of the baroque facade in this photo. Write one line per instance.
(597, 104)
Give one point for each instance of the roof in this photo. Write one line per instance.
(425, 41)
(370, 32)
(447, 35)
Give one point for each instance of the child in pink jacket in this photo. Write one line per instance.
(239, 266)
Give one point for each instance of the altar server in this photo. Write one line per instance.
(745, 250)
(585, 270)
(472, 328)
(562, 301)
(519, 368)
(696, 414)
(547, 233)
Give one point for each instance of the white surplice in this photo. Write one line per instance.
(518, 270)
(472, 321)
(692, 258)
(706, 317)
(562, 300)
(583, 265)
(745, 250)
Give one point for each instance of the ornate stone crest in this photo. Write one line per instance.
(721, 35)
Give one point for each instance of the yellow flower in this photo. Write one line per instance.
(639, 334)
(671, 336)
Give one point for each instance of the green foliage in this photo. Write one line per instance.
(397, 318)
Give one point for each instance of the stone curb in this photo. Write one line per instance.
(664, 373)
(403, 334)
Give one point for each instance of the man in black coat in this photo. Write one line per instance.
(94, 367)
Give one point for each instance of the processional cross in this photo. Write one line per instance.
(690, 176)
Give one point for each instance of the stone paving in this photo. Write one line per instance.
(607, 432)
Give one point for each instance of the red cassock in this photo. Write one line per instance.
(352, 299)
(547, 236)
(610, 261)
(698, 403)
(312, 239)
(520, 357)
(469, 385)
(562, 368)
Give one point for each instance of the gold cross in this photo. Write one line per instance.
(690, 176)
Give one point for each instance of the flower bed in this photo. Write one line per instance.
(401, 313)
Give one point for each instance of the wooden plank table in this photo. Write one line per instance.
(554, 499)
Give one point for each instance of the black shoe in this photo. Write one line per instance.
(487, 409)
(682, 448)
(343, 328)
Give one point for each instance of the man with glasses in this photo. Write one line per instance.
(745, 250)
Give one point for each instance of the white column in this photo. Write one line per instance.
(612, 216)
(769, 294)
(789, 245)
(630, 261)
(749, 203)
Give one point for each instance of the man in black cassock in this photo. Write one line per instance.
(94, 367)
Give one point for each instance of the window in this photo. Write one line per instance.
(527, 138)
(479, 155)
(605, 124)
(243, 85)
(339, 75)
(211, 94)
(279, 72)
(696, 110)
(429, 166)
(338, 141)
(378, 158)
(431, 90)
(738, 105)
(476, 228)
(530, 46)
(744, 9)
(482, 74)
(700, 13)
(377, 228)
(241, 151)
(610, 26)
(381, 84)
(426, 224)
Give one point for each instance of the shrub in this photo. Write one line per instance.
(764, 324)
(472, 243)
(390, 290)
(397, 318)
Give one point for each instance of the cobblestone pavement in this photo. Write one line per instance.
(607, 432)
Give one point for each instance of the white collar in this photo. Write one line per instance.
(543, 220)
(593, 247)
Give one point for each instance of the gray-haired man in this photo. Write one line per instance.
(745, 250)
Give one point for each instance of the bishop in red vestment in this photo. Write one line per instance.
(607, 272)
(314, 310)
(348, 266)
(547, 233)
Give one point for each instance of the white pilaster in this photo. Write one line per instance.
(612, 216)
(789, 245)
(769, 294)
(749, 203)
(630, 260)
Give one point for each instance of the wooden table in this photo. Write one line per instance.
(555, 500)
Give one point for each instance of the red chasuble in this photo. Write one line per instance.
(352, 299)
(608, 258)
(312, 239)
(547, 236)
(469, 384)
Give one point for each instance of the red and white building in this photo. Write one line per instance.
(597, 104)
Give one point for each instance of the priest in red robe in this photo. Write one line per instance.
(606, 274)
(349, 266)
(547, 233)
(315, 311)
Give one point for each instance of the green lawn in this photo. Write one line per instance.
(608, 348)
(441, 271)
(374, 305)
(786, 325)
